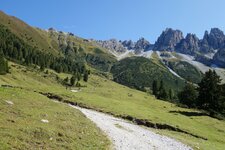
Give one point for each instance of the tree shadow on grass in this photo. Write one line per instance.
(189, 114)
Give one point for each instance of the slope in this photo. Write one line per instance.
(29, 120)
(104, 95)
(140, 72)
(26, 33)
(57, 43)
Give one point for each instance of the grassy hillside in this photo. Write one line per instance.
(140, 72)
(27, 33)
(186, 71)
(57, 43)
(21, 125)
(105, 95)
(19, 122)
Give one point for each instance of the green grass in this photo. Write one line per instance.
(140, 73)
(21, 126)
(103, 94)
(56, 43)
(186, 70)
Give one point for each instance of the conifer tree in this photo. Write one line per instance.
(3, 64)
(72, 80)
(155, 88)
(85, 77)
(188, 95)
(171, 94)
(210, 92)
(162, 91)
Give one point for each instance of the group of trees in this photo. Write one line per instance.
(208, 95)
(3, 64)
(160, 91)
(76, 77)
(15, 49)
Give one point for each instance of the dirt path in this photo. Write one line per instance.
(127, 136)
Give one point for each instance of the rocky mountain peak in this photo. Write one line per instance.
(212, 41)
(129, 44)
(189, 45)
(216, 38)
(113, 45)
(168, 40)
(219, 57)
(142, 45)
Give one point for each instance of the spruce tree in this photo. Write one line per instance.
(188, 95)
(85, 77)
(3, 64)
(72, 80)
(210, 92)
(155, 88)
(171, 94)
(162, 91)
(222, 100)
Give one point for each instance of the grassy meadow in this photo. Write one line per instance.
(21, 125)
(105, 95)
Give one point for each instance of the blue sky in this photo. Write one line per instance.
(121, 19)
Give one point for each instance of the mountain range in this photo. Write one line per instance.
(210, 50)
(41, 65)
(172, 58)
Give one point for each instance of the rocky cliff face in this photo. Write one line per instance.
(189, 45)
(204, 44)
(142, 45)
(113, 45)
(213, 40)
(168, 40)
(122, 46)
(129, 44)
(216, 38)
(219, 58)
(173, 40)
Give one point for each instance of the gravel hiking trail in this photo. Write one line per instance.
(127, 136)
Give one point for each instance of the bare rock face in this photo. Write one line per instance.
(219, 57)
(189, 45)
(216, 38)
(142, 45)
(209, 50)
(113, 45)
(168, 40)
(212, 41)
(204, 44)
(129, 44)
(122, 46)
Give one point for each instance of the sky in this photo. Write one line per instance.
(120, 19)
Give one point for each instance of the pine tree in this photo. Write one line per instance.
(210, 92)
(72, 80)
(222, 101)
(66, 80)
(78, 75)
(155, 88)
(171, 94)
(188, 95)
(3, 64)
(42, 67)
(85, 77)
(162, 92)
